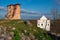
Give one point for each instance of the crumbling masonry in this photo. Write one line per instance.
(13, 12)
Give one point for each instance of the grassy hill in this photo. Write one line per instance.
(24, 31)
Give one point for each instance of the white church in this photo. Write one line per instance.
(43, 23)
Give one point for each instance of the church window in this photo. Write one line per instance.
(48, 24)
(41, 24)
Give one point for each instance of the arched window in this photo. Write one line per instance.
(48, 24)
(41, 24)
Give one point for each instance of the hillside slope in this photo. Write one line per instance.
(22, 30)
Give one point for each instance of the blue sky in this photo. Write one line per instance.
(38, 6)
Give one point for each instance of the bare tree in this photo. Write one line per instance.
(54, 13)
(58, 1)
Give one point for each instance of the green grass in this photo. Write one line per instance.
(21, 26)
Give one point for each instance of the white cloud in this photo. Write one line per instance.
(22, 10)
(28, 12)
(3, 8)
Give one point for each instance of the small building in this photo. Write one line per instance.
(43, 23)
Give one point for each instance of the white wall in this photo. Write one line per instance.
(48, 25)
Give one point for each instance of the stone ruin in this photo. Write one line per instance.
(13, 12)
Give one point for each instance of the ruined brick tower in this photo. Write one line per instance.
(13, 12)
